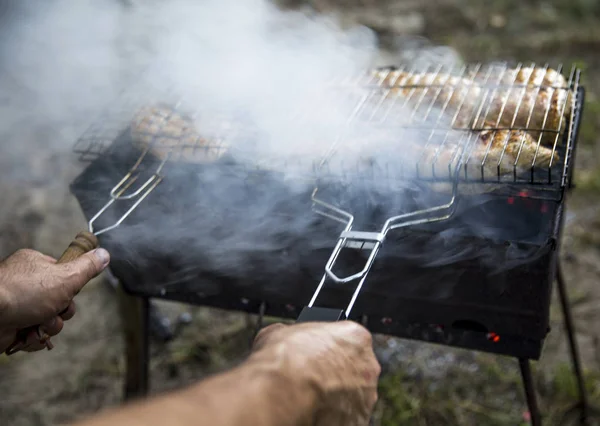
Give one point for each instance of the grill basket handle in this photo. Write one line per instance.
(82, 243)
(315, 314)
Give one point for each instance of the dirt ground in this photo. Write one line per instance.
(427, 384)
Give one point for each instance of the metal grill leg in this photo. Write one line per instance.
(574, 349)
(534, 412)
(259, 323)
(135, 313)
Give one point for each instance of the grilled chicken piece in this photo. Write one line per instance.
(438, 160)
(497, 151)
(536, 76)
(507, 148)
(468, 101)
(457, 97)
(168, 134)
(544, 104)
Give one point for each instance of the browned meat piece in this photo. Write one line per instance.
(488, 148)
(507, 148)
(438, 160)
(166, 133)
(457, 97)
(536, 76)
(543, 105)
(468, 102)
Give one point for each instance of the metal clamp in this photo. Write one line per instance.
(355, 240)
(154, 181)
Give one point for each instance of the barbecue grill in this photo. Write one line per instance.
(470, 264)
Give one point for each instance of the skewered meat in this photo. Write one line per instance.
(168, 134)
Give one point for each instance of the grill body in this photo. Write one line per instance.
(426, 284)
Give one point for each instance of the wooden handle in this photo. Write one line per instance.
(84, 241)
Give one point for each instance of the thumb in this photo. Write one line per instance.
(263, 335)
(84, 268)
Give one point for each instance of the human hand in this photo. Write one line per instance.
(35, 289)
(334, 360)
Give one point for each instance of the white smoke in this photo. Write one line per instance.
(64, 63)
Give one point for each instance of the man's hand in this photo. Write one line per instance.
(334, 361)
(308, 374)
(34, 289)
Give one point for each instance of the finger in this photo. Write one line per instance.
(377, 367)
(32, 343)
(34, 347)
(34, 253)
(53, 326)
(6, 339)
(373, 400)
(263, 335)
(69, 312)
(87, 266)
(351, 332)
(366, 405)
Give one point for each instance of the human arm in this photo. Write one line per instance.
(34, 289)
(247, 395)
(300, 375)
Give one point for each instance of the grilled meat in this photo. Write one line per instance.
(531, 98)
(167, 133)
(474, 143)
(542, 104)
(457, 96)
(489, 152)
(439, 160)
(546, 77)
(506, 149)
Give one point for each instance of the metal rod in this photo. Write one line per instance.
(362, 281)
(124, 216)
(574, 349)
(570, 130)
(543, 126)
(529, 117)
(534, 412)
(259, 322)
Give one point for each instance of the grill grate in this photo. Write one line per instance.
(450, 273)
(480, 124)
(513, 119)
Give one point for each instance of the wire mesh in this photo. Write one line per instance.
(496, 123)
(376, 133)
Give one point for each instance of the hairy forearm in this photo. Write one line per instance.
(251, 394)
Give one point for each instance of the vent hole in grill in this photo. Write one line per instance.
(469, 325)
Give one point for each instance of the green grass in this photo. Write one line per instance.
(492, 396)
(587, 181)
(4, 359)
(578, 9)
